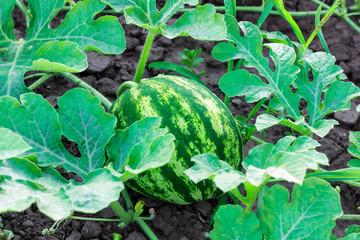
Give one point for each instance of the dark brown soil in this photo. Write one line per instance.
(191, 222)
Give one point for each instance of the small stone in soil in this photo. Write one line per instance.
(136, 236)
(106, 86)
(97, 62)
(349, 117)
(75, 235)
(91, 230)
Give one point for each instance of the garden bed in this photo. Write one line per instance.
(107, 72)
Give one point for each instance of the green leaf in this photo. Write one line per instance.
(310, 214)
(96, 193)
(22, 183)
(140, 147)
(345, 174)
(265, 13)
(85, 122)
(353, 229)
(6, 23)
(54, 50)
(11, 144)
(264, 121)
(279, 4)
(177, 68)
(354, 163)
(232, 222)
(143, 4)
(354, 138)
(352, 236)
(337, 96)
(249, 47)
(288, 159)
(288, 83)
(209, 166)
(202, 23)
(199, 23)
(80, 118)
(276, 37)
(144, 13)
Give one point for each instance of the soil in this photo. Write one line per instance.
(106, 73)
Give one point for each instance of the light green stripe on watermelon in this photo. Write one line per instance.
(200, 122)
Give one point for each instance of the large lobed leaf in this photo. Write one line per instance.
(288, 159)
(310, 214)
(33, 130)
(201, 22)
(23, 183)
(324, 93)
(232, 222)
(209, 166)
(80, 118)
(54, 50)
(249, 47)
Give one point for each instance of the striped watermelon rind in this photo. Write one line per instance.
(200, 122)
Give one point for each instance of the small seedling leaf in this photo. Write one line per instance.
(306, 216)
(140, 147)
(232, 222)
(209, 166)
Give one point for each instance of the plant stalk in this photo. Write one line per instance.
(257, 140)
(147, 230)
(40, 81)
(144, 57)
(86, 86)
(124, 86)
(349, 217)
(126, 196)
(35, 75)
(20, 4)
(119, 210)
(256, 194)
(96, 219)
(318, 27)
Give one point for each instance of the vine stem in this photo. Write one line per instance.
(147, 229)
(40, 81)
(349, 217)
(124, 86)
(144, 56)
(257, 140)
(256, 194)
(127, 199)
(124, 215)
(35, 75)
(23, 8)
(83, 84)
(119, 210)
(96, 219)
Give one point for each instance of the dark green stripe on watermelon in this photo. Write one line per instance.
(200, 122)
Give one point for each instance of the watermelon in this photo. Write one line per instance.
(200, 122)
